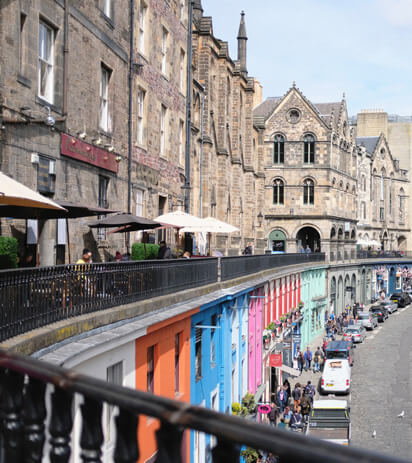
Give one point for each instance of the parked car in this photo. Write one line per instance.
(402, 299)
(340, 350)
(380, 311)
(354, 333)
(367, 320)
(336, 377)
(389, 305)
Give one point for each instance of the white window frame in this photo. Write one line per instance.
(139, 202)
(165, 35)
(182, 70)
(142, 27)
(181, 141)
(141, 94)
(114, 375)
(46, 61)
(163, 116)
(104, 110)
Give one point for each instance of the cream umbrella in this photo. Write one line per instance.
(211, 225)
(13, 193)
(179, 219)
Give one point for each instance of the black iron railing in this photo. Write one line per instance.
(31, 298)
(25, 413)
(383, 254)
(35, 297)
(232, 267)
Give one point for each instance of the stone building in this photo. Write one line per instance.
(383, 192)
(310, 166)
(64, 110)
(227, 174)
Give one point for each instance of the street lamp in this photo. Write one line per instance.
(260, 219)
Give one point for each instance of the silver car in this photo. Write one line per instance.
(389, 305)
(354, 333)
(367, 320)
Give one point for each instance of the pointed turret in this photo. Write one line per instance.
(197, 10)
(241, 43)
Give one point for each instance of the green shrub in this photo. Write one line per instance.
(236, 408)
(250, 455)
(138, 251)
(8, 252)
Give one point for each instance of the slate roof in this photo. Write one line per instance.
(368, 142)
(266, 108)
(326, 109)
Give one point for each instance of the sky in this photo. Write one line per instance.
(362, 48)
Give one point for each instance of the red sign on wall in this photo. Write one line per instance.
(77, 149)
(275, 360)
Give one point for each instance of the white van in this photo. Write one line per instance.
(336, 377)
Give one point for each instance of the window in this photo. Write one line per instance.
(46, 62)
(390, 197)
(181, 142)
(162, 129)
(150, 369)
(104, 122)
(401, 211)
(114, 375)
(103, 187)
(139, 202)
(278, 190)
(164, 50)
(213, 340)
(382, 189)
(363, 210)
(142, 24)
(177, 361)
(22, 44)
(140, 116)
(364, 182)
(308, 192)
(182, 71)
(198, 353)
(382, 214)
(309, 149)
(182, 10)
(279, 149)
(107, 8)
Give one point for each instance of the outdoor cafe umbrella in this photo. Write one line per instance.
(13, 193)
(179, 219)
(122, 219)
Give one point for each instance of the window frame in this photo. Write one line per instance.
(104, 98)
(278, 149)
(112, 377)
(142, 27)
(198, 353)
(308, 192)
(181, 142)
(163, 118)
(150, 383)
(177, 361)
(140, 202)
(47, 93)
(140, 103)
(107, 8)
(278, 192)
(182, 70)
(309, 144)
(165, 37)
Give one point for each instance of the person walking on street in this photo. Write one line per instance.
(273, 414)
(308, 358)
(248, 251)
(305, 406)
(317, 359)
(301, 360)
(287, 388)
(282, 399)
(296, 418)
(296, 395)
(310, 391)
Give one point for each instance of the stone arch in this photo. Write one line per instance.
(308, 236)
(340, 296)
(277, 240)
(333, 233)
(353, 234)
(332, 297)
(353, 286)
(401, 242)
(340, 234)
(347, 290)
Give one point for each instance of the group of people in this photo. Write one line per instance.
(292, 406)
(307, 360)
(336, 325)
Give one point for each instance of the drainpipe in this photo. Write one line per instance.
(201, 153)
(65, 55)
(130, 122)
(188, 106)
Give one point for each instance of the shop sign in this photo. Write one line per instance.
(275, 360)
(78, 149)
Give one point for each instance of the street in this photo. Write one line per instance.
(382, 388)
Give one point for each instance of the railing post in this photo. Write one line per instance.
(169, 441)
(92, 434)
(127, 450)
(61, 423)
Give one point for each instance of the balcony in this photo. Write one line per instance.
(26, 412)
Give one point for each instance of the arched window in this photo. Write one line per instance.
(363, 182)
(309, 149)
(363, 210)
(279, 149)
(382, 189)
(278, 191)
(308, 191)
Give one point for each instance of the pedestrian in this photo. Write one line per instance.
(295, 358)
(287, 388)
(308, 250)
(310, 391)
(296, 418)
(305, 406)
(317, 359)
(164, 251)
(282, 424)
(187, 255)
(301, 361)
(118, 256)
(296, 395)
(86, 257)
(248, 250)
(308, 358)
(282, 399)
(287, 415)
(273, 415)
(302, 250)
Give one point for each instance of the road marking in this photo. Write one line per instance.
(402, 310)
(371, 336)
(398, 313)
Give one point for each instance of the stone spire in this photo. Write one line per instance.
(197, 10)
(241, 43)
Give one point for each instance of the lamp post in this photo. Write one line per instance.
(260, 219)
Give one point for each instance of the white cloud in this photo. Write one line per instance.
(397, 12)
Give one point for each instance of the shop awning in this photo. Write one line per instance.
(289, 370)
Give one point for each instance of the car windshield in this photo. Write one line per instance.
(352, 330)
(332, 354)
(363, 316)
(329, 413)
